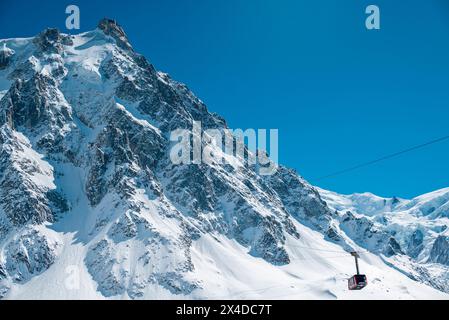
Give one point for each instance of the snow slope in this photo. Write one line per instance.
(227, 272)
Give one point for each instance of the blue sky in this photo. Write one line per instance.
(338, 93)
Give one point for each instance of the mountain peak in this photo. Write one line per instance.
(111, 28)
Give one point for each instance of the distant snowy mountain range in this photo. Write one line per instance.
(416, 229)
(92, 207)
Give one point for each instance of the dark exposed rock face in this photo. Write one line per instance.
(31, 254)
(51, 41)
(416, 243)
(299, 198)
(440, 250)
(33, 102)
(392, 247)
(111, 28)
(23, 200)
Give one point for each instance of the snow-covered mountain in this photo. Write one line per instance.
(92, 207)
(416, 230)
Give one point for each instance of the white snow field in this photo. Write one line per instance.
(229, 273)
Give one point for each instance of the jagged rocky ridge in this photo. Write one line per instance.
(85, 125)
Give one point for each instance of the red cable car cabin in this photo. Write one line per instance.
(357, 282)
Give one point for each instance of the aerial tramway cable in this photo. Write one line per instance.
(389, 156)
